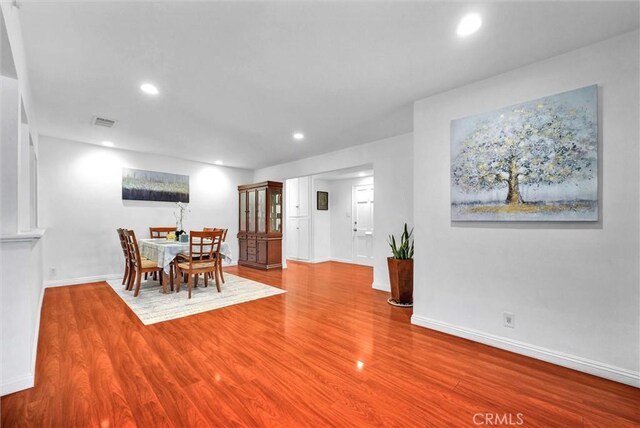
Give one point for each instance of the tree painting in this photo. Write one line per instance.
(535, 161)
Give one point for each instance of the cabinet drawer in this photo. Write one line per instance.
(251, 258)
(251, 243)
(251, 250)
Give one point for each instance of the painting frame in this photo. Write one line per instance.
(532, 161)
(322, 201)
(155, 186)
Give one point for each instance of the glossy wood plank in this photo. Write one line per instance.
(330, 352)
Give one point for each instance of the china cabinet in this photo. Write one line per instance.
(260, 225)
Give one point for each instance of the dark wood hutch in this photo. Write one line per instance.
(260, 226)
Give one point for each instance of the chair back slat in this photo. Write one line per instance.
(224, 232)
(123, 243)
(132, 245)
(160, 232)
(203, 245)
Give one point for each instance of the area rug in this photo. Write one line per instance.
(152, 306)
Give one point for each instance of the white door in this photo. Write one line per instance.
(298, 238)
(303, 197)
(292, 238)
(293, 200)
(303, 239)
(362, 244)
(298, 197)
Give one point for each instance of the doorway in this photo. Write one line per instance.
(330, 217)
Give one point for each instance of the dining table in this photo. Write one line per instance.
(164, 251)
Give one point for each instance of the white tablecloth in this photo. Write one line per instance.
(163, 252)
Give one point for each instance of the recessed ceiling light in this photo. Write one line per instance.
(298, 136)
(469, 24)
(219, 162)
(107, 144)
(150, 89)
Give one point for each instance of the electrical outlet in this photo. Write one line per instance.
(52, 271)
(509, 320)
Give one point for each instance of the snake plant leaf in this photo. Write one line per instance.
(404, 249)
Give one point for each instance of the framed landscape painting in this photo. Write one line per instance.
(535, 161)
(140, 185)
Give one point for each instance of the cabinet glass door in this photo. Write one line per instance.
(262, 210)
(252, 210)
(243, 211)
(275, 211)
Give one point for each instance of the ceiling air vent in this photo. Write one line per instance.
(101, 121)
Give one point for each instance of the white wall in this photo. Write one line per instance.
(392, 161)
(81, 204)
(13, 27)
(341, 222)
(10, 171)
(21, 291)
(574, 288)
(20, 250)
(20, 246)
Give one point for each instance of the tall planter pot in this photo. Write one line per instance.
(401, 280)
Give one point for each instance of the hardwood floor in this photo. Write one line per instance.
(330, 352)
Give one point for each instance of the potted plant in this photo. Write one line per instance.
(401, 269)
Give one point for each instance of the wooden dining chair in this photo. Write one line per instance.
(204, 256)
(138, 264)
(224, 237)
(127, 260)
(224, 234)
(161, 232)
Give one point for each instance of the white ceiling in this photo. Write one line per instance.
(237, 78)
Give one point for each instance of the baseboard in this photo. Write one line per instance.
(339, 260)
(381, 286)
(310, 261)
(321, 260)
(96, 278)
(298, 260)
(592, 367)
(81, 280)
(326, 259)
(34, 353)
(17, 383)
